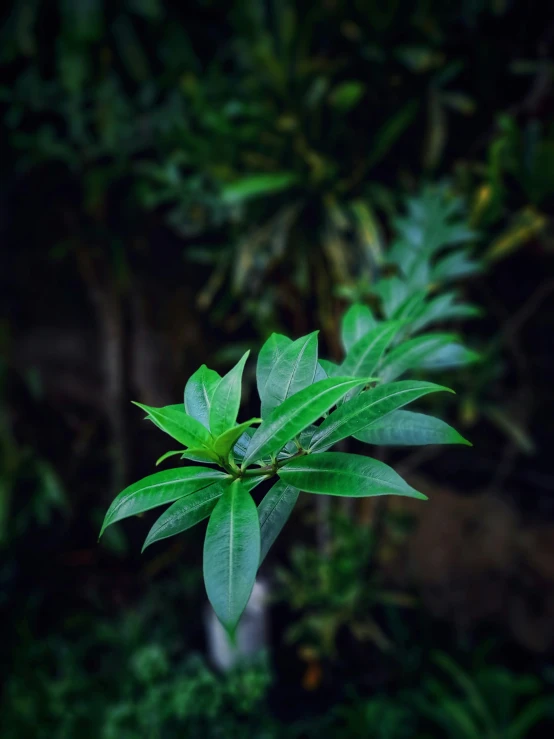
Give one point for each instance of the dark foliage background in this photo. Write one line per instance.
(178, 181)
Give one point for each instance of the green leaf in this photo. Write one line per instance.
(356, 322)
(338, 473)
(455, 266)
(200, 455)
(365, 355)
(347, 95)
(331, 369)
(443, 308)
(448, 357)
(412, 354)
(226, 399)
(157, 489)
(227, 440)
(354, 415)
(190, 510)
(293, 370)
(405, 428)
(412, 307)
(268, 356)
(391, 131)
(295, 414)
(274, 512)
(186, 512)
(199, 392)
(167, 455)
(256, 186)
(241, 446)
(232, 554)
(320, 373)
(393, 292)
(177, 424)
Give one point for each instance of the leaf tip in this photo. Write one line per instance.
(145, 545)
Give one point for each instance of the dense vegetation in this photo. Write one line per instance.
(178, 184)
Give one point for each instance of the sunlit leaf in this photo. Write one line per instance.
(167, 455)
(199, 392)
(226, 441)
(200, 455)
(175, 422)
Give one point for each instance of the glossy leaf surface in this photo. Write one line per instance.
(293, 371)
(227, 440)
(232, 554)
(412, 354)
(162, 487)
(295, 414)
(226, 399)
(179, 425)
(274, 512)
(405, 428)
(354, 415)
(364, 357)
(190, 510)
(357, 322)
(199, 392)
(268, 356)
(338, 473)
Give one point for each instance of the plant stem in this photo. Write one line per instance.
(272, 468)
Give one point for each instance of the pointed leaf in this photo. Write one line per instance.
(294, 370)
(393, 292)
(199, 393)
(364, 357)
(239, 450)
(232, 554)
(455, 266)
(167, 455)
(443, 308)
(226, 399)
(356, 322)
(354, 415)
(448, 357)
(331, 369)
(274, 512)
(405, 428)
(295, 414)
(190, 510)
(338, 473)
(200, 455)
(268, 356)
(320, 373)
(412, 354)
(162, 487)
(177, 424)
(226, 441)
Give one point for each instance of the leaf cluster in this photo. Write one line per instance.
(307, 406)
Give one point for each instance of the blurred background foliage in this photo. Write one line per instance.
(178, 181)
